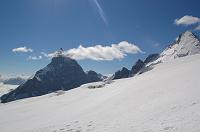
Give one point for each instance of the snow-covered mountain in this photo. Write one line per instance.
(186, 44)
(165, 99)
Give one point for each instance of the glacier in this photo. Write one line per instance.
(163, 99)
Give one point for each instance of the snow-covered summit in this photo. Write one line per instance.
(186, 44)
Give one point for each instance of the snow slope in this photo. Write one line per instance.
(165, 99)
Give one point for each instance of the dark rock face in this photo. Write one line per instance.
(151, 58)
(62, 73)
(124, 73)
(137, 67)
(93, 76)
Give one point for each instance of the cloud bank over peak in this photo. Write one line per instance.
(99, 52)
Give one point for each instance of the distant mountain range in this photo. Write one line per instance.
(64, 73)
(15, 81)
(18, 80)
(186, 44)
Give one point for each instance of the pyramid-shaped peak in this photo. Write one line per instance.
(185, 37)
(187, 34)
(186, 44)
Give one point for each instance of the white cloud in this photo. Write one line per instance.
(22, 49)
(99, 52)
(34, 57)
(187, 20)
(197, 28)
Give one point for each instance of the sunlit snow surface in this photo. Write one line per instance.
(164, 99)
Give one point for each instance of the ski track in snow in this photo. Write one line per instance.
(165, 99)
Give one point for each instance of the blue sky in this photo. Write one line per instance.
(47, 25)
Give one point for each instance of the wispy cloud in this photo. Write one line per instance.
(99, 52)
(187, 20)
(156, 45)
(50, 55)
(22, 49)
(100, 11)
(35, 57)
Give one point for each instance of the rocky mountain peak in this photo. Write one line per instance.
(62, 73)
(137, 67)
(123, 73)
(187, 33)
(186, 44)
